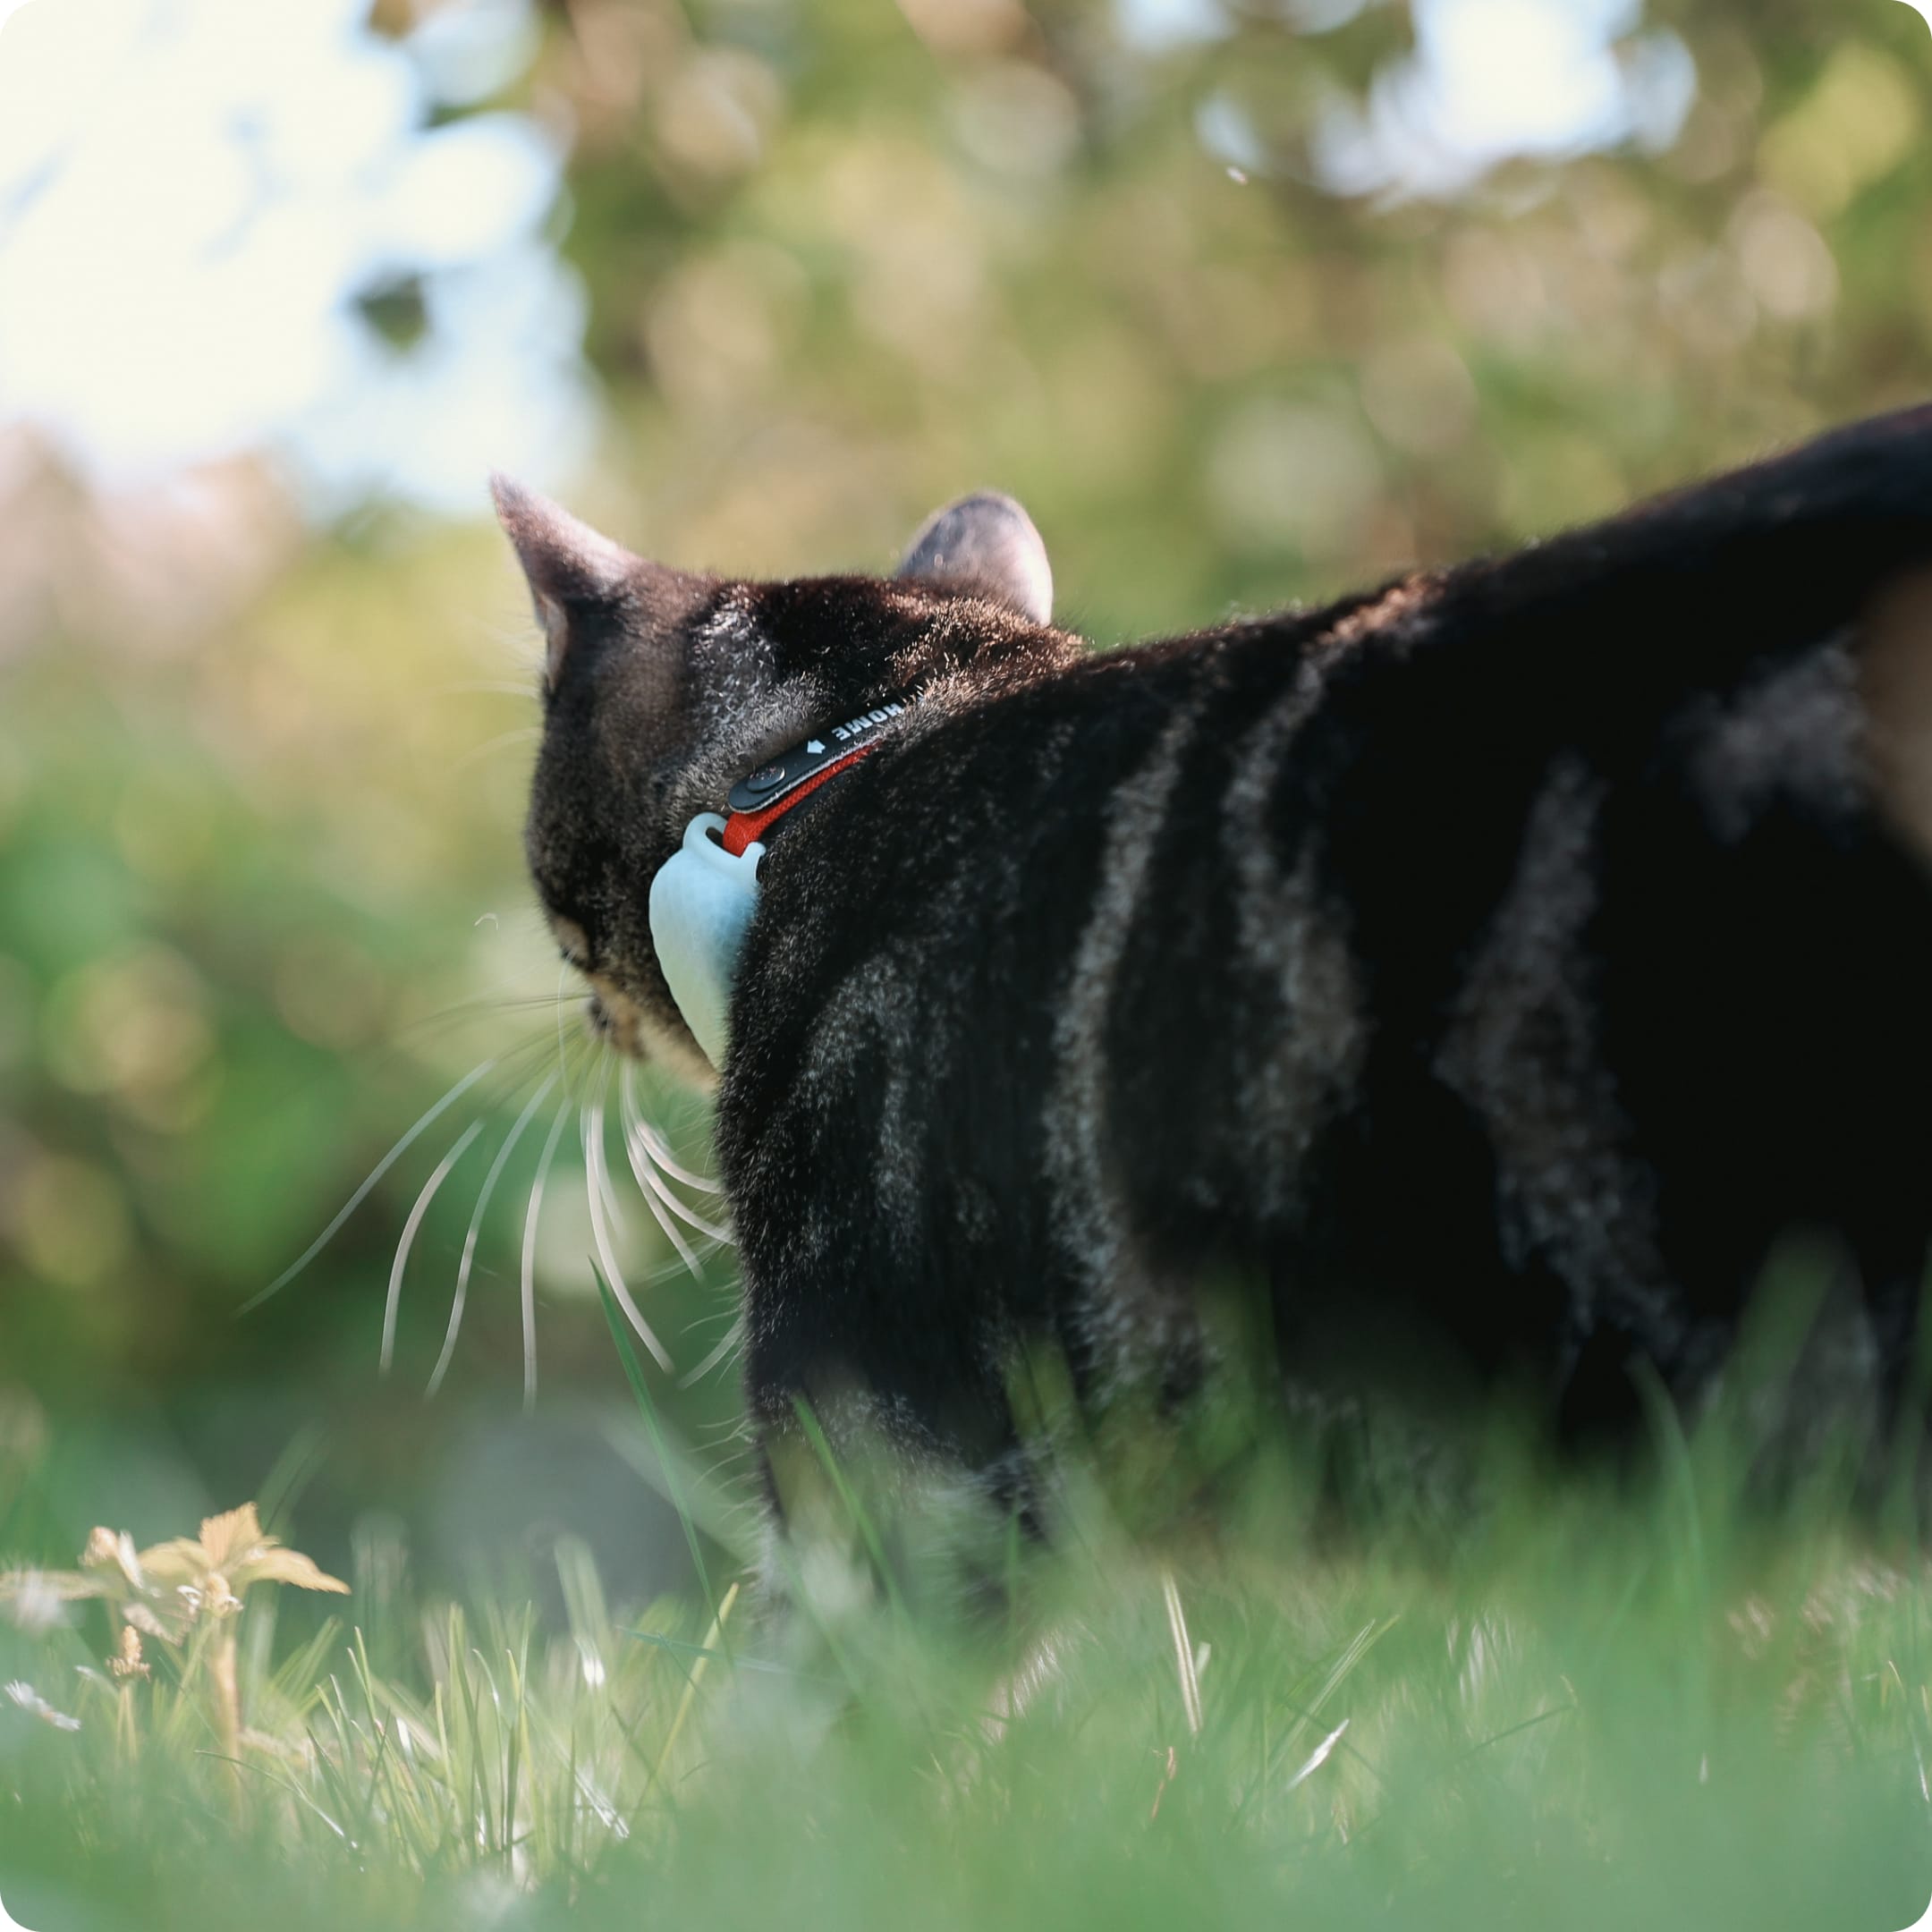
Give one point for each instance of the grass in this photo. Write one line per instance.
(1575, 1705)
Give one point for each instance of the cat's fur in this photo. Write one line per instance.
(1492, 966)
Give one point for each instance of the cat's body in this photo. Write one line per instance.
(1488, 969)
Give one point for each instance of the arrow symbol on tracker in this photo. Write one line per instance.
(814, 747)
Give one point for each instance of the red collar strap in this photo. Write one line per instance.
(741, 828)
(760, 800)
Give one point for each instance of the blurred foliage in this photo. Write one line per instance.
(259, 785)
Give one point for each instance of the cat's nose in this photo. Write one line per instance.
(611, 1017)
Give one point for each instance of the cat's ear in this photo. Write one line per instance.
(985, 545)
(570, 566)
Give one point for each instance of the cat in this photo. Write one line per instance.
(1489, 968)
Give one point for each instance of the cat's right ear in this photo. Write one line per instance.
(569, 565)
(985, 545)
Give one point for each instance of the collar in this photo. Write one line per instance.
(761, 798)
(704, 895)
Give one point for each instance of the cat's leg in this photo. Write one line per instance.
(883, 1479)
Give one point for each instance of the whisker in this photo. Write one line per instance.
(655, 1145)
(605, 1190)
(410, 1227)
(721, 1237)
(476, 754)
(476, 1225)
(516, 1065)
(665, 1271)
(361, 1194)
(529, 1256)
(636, 1150)
(491, 1005)
(649, 1187)
(597, 1185)
(563, 974)
(734, 1335)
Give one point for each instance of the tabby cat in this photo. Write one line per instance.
(1490, 968)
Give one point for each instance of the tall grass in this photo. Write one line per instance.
(1573, 1702)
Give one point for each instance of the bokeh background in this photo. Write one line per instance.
(1248, 299)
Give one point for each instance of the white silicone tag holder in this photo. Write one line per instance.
(701, 901)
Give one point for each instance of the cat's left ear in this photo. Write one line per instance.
(985, 545)
(569, 565)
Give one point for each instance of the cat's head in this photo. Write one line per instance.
(663, 688)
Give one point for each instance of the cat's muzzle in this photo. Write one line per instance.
(613, 1019)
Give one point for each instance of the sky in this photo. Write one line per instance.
(1492, 79)
(1488, 79)
(196, 195)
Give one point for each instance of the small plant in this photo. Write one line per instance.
(185, 1593)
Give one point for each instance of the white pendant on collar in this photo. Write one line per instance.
(701, 902)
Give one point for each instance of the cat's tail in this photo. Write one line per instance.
(1893, 653)
(1858, 504)
(1712, 588)
(1843, 527)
